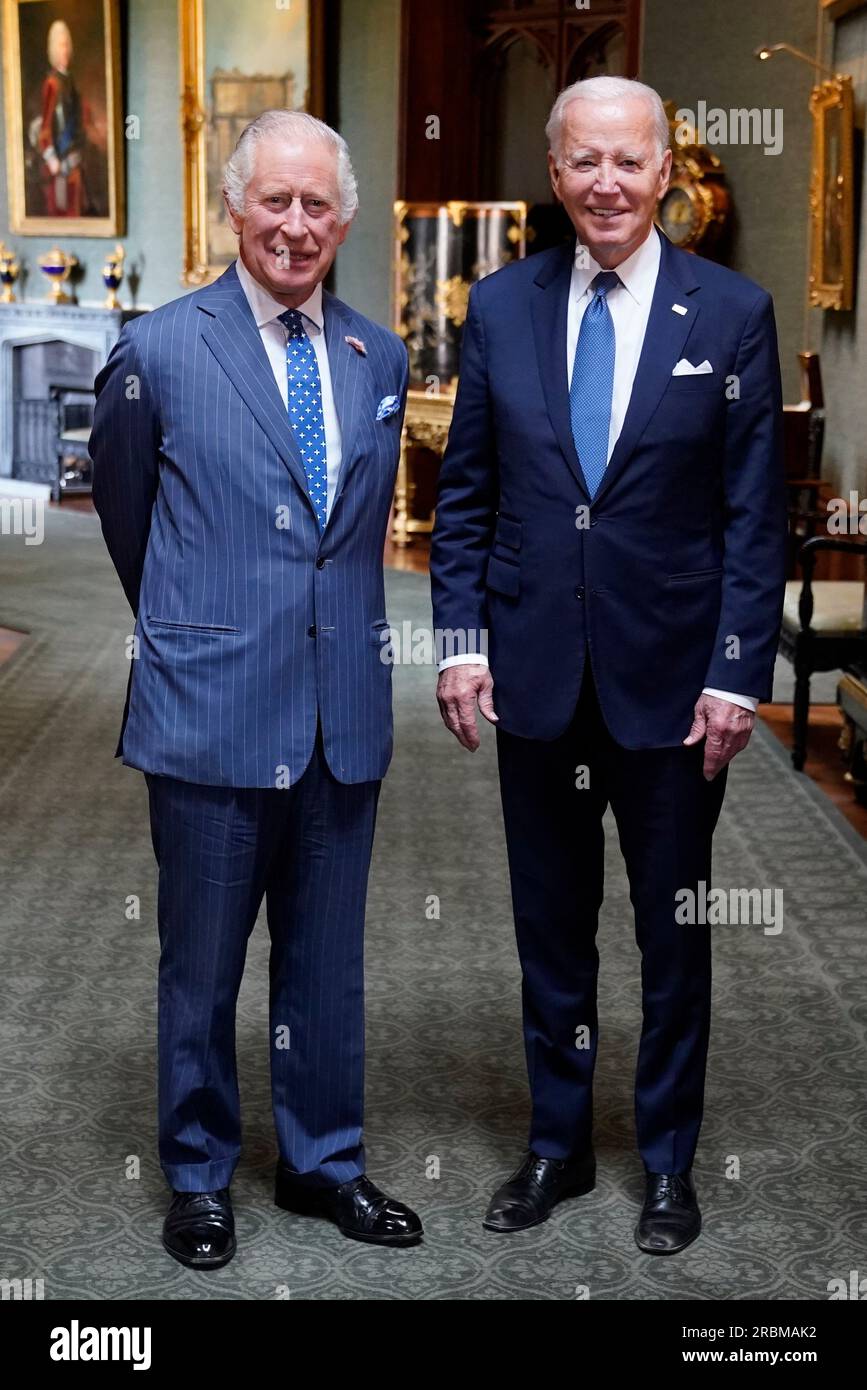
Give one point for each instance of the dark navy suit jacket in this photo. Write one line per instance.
(672, 577)
(250, 622)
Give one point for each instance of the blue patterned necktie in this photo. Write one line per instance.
(305, 410)
(593, 383)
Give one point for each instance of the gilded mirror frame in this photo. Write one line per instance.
(191, 20)
(832, 206)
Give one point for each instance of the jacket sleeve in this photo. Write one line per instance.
(754, 565)
(125, 448)
(467, 500)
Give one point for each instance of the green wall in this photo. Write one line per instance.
(368, 66)
(368, 104)
(703, 52)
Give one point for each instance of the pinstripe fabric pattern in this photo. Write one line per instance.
(259, 707)
(202, 497)
(219, 851)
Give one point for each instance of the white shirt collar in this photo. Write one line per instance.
(266, 308)
(637, 273)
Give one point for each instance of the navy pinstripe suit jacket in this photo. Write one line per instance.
(249, 620)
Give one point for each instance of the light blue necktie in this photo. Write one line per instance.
(593, 383)
(305, 410)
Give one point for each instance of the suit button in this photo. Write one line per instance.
(320, 563)
(311, 631)
(579, 592)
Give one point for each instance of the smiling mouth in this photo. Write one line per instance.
(607, 214)
(287, 257)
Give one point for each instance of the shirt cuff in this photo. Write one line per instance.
(467, 659)
(745, 701)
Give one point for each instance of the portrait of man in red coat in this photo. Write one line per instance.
(61, 136)
(64, 106)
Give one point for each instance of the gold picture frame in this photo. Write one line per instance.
(832, 206)
(217, 99)
(64, 130)
(836, 9)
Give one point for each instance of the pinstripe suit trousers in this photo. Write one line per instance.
(306, 851)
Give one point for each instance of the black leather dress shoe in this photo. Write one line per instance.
(670, 1218)
(535, 1189)
(357, 1208)
(199, 1229)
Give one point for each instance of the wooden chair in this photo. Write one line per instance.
(803, 438)
(824, 628)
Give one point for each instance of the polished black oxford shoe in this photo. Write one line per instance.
(358, 1209)
(534, 1190)
(199, 1229)
(670, 1218)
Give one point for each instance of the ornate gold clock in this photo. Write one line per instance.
(696, 209)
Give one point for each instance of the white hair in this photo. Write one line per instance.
(288, 125)
(607, 89)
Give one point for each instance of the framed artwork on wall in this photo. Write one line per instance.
(64, 136)
(832, 205)
(231, 71)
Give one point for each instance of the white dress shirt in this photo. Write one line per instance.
(629, 303)
(275, 335)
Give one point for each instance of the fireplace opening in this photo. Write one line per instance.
(52, 414)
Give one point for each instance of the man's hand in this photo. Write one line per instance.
(459, 688)
(726, 728)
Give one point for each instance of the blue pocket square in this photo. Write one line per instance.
(389, 405)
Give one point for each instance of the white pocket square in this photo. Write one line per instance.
(685, 368)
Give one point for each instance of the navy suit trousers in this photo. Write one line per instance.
(220, 850)
(666, 813)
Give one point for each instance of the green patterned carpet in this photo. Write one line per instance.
(81, 1194)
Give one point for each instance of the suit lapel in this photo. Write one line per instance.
(350, 382)
(549, 308)
(230, 332)
(664, 341)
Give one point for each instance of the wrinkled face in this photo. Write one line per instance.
(609, 176)
(289, 230)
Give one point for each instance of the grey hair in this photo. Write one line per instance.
(607, 89)
(288, 125)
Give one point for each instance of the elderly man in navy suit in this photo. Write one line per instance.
(245, 445)
(611, 511)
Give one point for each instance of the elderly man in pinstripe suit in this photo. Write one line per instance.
(245, 445)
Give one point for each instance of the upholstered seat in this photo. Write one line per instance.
(838, 606)
(829, 634)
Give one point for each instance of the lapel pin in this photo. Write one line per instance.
(678, 309)
(357, 344)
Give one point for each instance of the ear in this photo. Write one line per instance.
(664, 173)
(341, 235)
(554, 173)
(235, 222)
